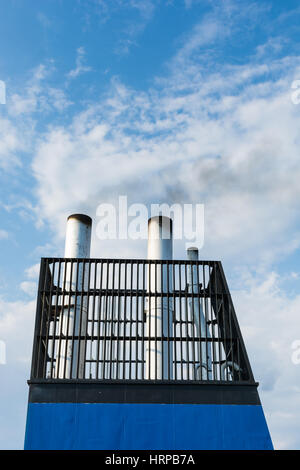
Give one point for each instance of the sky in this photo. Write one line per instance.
(179, 101)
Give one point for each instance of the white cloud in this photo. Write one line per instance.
(3, 234)
(145, 7)
(16, 330)
(29, 287)
(33, 271)
(269, 320)
(227, 141)
(80, 67)
(37, 96)
(11, 144)
(26, 101)
(44, 20)
(131, 26)
(107, 8)
(19, 118)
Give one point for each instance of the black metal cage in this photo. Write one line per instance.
(136, 320)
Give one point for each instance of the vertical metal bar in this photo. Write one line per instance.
(225, 333)
(58, 351)
(74, 323)
(93, 317)
(162, 326)
(131, 319)
(205, 323)
(79, 332)
(181, 320)
(155, 332)
(187, 325)
(143, 324)
(100, 326)
(39, 320)
(217, 314)
(105, 320)
(55, 317)
(193, 320)
(112, 323)
(46, 295)
(118, 320)
(199, 322)
(231, 342)
(168, 323)
(68, 333)
(174, 324)
(137, 322)
(125, 322)
(238, 359)
(48, 319)
(210, 314)
(149, 324)
(87, 318)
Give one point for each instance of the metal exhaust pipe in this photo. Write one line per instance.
(73, 322)
(202, 371)
(78, 236)
(159, 314)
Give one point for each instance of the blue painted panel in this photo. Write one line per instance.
(113, 426)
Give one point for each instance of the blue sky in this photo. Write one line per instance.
(179, 101)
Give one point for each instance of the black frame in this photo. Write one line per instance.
(114, 297)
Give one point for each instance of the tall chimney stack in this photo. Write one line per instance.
(159, 321)
(73, 320)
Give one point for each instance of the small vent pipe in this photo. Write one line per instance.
(203, 371)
